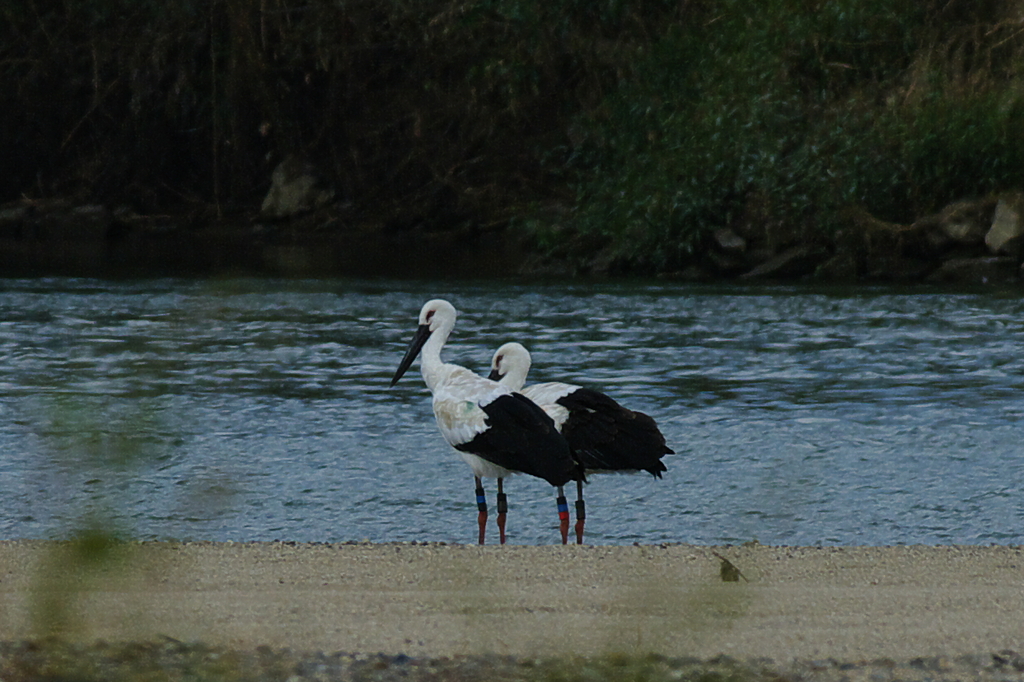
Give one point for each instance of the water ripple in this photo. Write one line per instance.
(255, 409)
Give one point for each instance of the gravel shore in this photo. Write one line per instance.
(166, 659)
(434, 611)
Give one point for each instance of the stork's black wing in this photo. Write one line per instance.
(605, 435)
(521, 436)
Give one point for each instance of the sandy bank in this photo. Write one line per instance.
(851, 603)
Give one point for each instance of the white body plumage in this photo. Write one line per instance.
(496, 430)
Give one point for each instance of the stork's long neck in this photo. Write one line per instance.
(513, 380)
(515, 376)
(430, 359)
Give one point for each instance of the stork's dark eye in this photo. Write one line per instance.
(430, 315)
(500, 359)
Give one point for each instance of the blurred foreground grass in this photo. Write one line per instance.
(94, 438)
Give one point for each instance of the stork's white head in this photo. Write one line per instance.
(510, 365)
(437, 319)
(438, 313)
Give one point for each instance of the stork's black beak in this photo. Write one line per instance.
(495, 375)
(418, 339)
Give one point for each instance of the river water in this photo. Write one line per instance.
(260, 409)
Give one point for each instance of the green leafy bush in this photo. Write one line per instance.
(807, 106)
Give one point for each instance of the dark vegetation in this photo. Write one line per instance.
(629, 128)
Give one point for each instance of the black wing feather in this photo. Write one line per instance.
(605, 435)
(522, 437)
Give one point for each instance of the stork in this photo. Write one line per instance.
(497, 431)
(603, 435)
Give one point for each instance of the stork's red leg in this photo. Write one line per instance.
(581, 512)
(481, 505)
(563, 516)
(502, 512)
